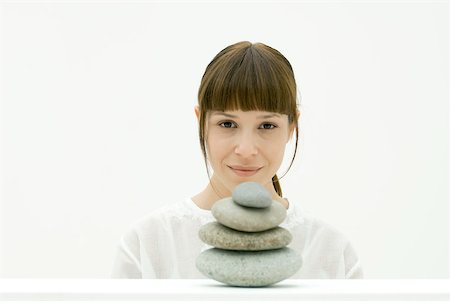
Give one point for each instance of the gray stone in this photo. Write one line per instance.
(251, 194)
(222, 237)
(247, 219)
(247, 268)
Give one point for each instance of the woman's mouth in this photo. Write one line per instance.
(244, 171)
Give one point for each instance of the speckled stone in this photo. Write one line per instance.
(251, 194)
(222, 237)
(249, 269)
(247, 219)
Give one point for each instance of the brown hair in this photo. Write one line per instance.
(248, 77)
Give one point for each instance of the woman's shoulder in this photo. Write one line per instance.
(173, 215)
(153, 222)
(326, 230)
(301, 220)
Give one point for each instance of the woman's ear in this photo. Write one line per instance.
(197, 112)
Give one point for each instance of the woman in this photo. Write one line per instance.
(247, 113)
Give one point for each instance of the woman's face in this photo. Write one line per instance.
(246, 146)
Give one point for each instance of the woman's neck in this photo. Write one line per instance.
(206, 199)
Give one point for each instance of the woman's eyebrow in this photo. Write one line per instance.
(259, 117)
(224, 114)
(269, 115)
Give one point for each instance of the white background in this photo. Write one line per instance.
(98, 128)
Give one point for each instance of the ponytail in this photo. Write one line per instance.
(276, 185)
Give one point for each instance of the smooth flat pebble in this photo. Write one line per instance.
(222, 237)
(246, 219)
(251, 194)
(247, 268)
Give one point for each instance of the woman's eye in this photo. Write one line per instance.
(231, 124)
(268, 126)
(226, 124)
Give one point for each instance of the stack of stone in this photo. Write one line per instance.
(249, 247)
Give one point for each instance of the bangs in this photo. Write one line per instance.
(249, 79)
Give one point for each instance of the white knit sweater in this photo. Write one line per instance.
(165, 244)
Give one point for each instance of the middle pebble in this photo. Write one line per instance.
(222, 237)
(246, 219)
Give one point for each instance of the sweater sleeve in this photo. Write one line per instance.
(127, 258)
(353, 268)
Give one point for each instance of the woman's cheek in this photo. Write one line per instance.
(215, 149)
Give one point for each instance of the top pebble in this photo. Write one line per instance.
(251, 194)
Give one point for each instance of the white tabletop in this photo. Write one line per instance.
(206, 289)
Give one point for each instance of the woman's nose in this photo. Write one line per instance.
(246, 146)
